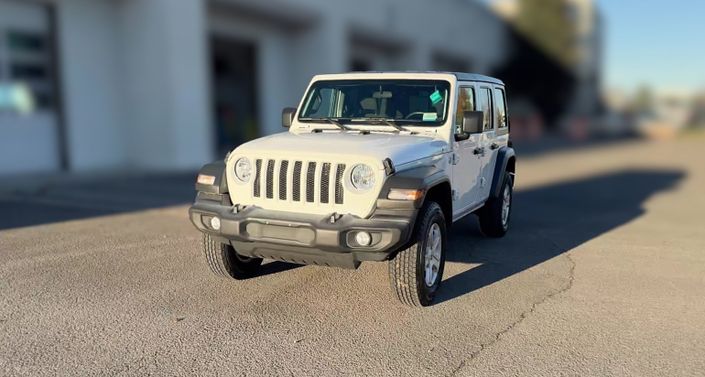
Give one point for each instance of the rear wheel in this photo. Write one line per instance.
(225, 262)
(495, 215)
(416, 272)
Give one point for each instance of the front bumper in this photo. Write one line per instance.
(301, 238)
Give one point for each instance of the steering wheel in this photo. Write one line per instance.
(414, 114)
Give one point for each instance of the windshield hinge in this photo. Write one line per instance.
(388, 166)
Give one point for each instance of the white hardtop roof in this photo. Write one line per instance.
(460, 76)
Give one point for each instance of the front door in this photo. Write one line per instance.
(467, 159)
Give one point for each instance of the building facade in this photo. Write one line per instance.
(585, 20)
(93, 85)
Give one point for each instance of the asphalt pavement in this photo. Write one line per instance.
(602, 273)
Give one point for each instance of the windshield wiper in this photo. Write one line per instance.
(388, 122)
(330, 120)
(336, 123)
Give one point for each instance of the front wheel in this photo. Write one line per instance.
(416, 272)
(225, 262)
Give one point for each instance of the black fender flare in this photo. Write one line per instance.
(422, 177)
(217, 170)
(504, 155)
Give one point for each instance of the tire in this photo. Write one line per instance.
(225, 262)
(493, 221)
(408, 270)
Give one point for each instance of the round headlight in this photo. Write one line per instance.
(362, 177)
(243, 169)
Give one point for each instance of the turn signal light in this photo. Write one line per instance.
(205, 179)
(405, 194)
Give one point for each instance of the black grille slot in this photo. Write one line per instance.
(310, 181)
(282, 179)
(339, 184)
(258, 169)
(296, 184)
(325, 182)
(270, 179)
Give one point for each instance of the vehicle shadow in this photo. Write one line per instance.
(81, 198)
(549, 221)
(270, 267)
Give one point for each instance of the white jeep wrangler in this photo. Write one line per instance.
(375, 166)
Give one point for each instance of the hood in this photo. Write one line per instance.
(400, 148)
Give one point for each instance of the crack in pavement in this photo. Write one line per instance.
(497, 337)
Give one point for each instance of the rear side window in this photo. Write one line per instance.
(466, 102)
(485, 105)
(501, 108)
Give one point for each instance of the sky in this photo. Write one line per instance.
(657, 43)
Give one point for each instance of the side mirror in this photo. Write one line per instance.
(288, 116)
(472, 122)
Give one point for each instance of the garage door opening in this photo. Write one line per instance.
(29, 110)
(235, 92)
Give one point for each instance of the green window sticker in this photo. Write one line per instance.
(429, 117)
(436, 97)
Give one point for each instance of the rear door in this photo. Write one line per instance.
(495, 136)
(485, 104)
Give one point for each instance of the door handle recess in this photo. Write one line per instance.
(494, 146)
(478, 150)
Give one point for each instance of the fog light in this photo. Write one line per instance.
(215, 223)
(363, 238)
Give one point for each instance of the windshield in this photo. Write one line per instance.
(416, 102)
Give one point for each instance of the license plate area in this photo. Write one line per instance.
(280, 233)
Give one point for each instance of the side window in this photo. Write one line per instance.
(485, 105)
(501, 108)
(466, 102)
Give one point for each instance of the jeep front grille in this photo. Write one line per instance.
(321, 181)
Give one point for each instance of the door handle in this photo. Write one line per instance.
(494, 146)
(478, 150)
